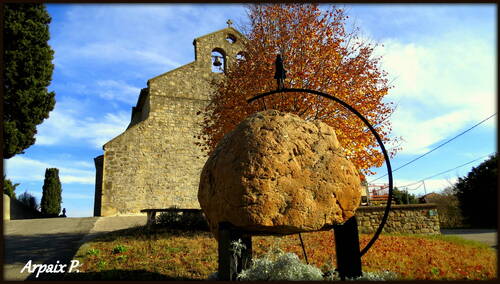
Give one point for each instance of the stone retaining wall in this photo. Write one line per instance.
(410, 219)
(13, 209)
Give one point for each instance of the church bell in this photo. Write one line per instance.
(217, 61)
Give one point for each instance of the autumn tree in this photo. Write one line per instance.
(319, 54)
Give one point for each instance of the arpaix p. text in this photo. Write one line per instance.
(51, 268)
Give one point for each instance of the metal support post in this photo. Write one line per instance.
(347, 249)
(231, 264)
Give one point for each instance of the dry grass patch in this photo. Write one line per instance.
(183, 255)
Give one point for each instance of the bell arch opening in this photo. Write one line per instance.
(218, 60)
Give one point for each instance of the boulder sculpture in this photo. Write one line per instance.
(277, 173)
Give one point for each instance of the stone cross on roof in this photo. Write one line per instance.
(229, 23)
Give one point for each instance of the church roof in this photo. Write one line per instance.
(223, 30)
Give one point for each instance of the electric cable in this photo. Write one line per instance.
(429, 177)
(406, 187)
(463, 132)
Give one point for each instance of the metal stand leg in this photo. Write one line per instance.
(229, 263)
(347, 249)
(151, 219)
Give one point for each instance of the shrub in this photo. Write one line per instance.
(119, 249)
(287, 266)
(278, 265)
(102, 264)
(403, 197)
(447, 204)
(179, 220)
(93, 251)
(29, 201)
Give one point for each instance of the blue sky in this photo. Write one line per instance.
(441, 58)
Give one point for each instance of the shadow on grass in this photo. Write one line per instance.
(116, 274)
(153, 233)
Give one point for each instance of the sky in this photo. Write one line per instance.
(441, 60)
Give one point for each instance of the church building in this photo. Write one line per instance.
(155, 163)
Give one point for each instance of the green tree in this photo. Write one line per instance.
(477, 194)
(51, 196)
(403, 197)
(29, 200)
(28, 72)
(8, 187)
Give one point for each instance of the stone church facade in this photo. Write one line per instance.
(155, 163)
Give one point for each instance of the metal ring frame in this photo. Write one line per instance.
(386, 157)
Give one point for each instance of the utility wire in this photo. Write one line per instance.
(463, 132)
(429, 177)
(406, 187)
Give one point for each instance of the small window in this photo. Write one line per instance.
(218, 61)
(231, 38)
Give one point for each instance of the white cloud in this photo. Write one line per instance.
(113, 52)
(419, 134)
(90, 179)
(67, 124)
(84, 164)
(152, 37)
(441, 85)
(22, 169)
(118, 90)
(67, 195)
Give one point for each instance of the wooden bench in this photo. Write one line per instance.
(151, 219)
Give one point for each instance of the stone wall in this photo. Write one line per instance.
(6, 207)
(411, 219)
(155, 162)
(13, 209)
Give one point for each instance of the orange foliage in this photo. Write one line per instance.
(318, 54)
(411, 257)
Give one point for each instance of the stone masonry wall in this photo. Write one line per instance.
(155, 162)
(410, 219)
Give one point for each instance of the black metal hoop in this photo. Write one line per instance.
(386, 156)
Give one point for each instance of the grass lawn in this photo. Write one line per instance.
(167, 254)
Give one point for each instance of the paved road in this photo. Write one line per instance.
(487, 236)
(41, 241)
(46, 241)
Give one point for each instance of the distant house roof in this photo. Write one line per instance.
(429, 196)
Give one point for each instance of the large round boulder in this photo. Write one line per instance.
(277, 173)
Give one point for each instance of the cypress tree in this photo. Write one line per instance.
(51, 197)
(28, 72)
